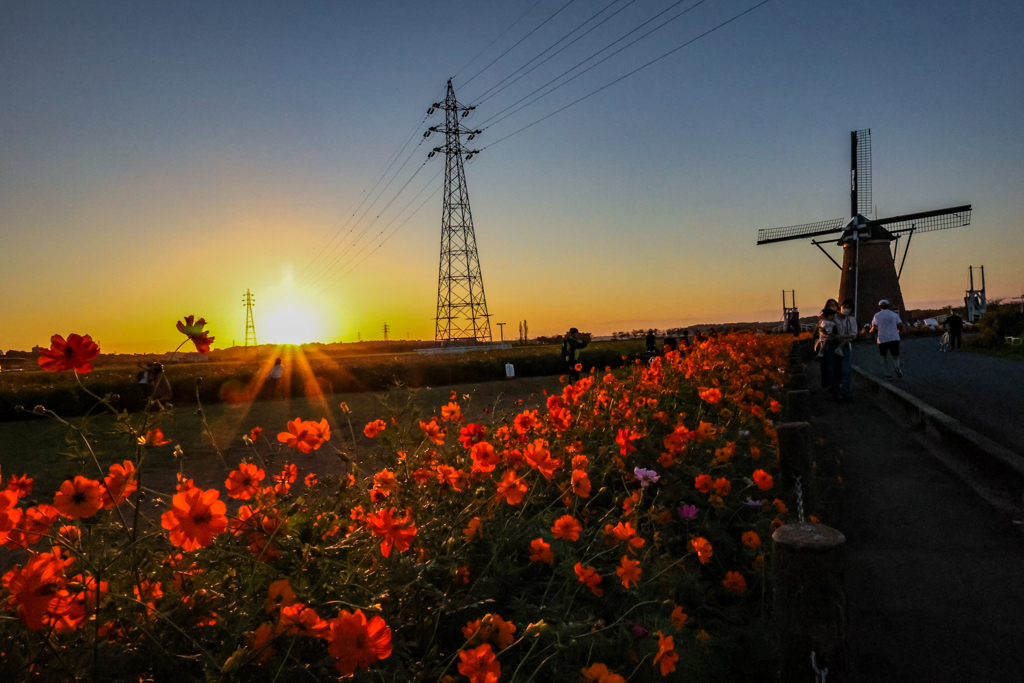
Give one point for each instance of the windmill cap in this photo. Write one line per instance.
(883, 302)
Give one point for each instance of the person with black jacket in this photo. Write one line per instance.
(955, 325)
(571, 346)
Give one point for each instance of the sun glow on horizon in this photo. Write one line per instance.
(290, 324)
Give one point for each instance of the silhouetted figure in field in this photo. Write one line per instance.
(955, 325)
(671, 344)
(274, 378)
(652, 346)
(160, 386)
(686, 339)
(571, 352)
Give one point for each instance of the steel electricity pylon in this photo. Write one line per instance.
(461, 305)
(250, 327)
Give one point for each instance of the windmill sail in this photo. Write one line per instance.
(927, 221)
(860, 172)
(795, 232)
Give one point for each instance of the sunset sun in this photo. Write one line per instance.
(291, 324)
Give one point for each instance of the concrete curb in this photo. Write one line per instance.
(992, 470)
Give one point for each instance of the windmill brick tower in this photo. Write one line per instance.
(869, 273)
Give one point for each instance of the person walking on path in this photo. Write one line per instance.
(160, 386)
(571, 352)
(143, 378)
(842, 356)
(274, 378)
(954, 324)
(887, 325)
(824, 331)
(652, 345)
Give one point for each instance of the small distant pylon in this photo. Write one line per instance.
(386, 330)
(250, 327)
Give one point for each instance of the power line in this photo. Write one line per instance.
(595, 64)
(517, 43)
(507, 29)
(644, 66)
(480, 99)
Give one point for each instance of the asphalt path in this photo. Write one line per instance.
(983, 392)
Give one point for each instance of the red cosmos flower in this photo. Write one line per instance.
(10, 514)
(629, 571)
(525, 421)
(702, 547)
(433, 431)
(735, 583)
(395, 532)
(259, 643)
(33, 524)
(372, 429)
(119, 484)
(567, 528)
(446, 474)
(722, 486)
(195, 518)
(38, 589)
(666, 656)
(472, 434)
(625, 439)
(703, 483)
(154, 437)
(763, 480)
(472, 529)
(560, 418)
(194, 331)
(244, 482)
(599, 673)
(511, 487)
(74, 354)
(299, 620)
(710, 395)
(540, 551)
(580, 483)
(750, 539)
(304, 435)
(79, 499)
(279, 594)
(484, 457)
(539, 458)
(590, 577)
(20, 486)
(357, 643)
(491, 629)
(479, 665)
(255, 433)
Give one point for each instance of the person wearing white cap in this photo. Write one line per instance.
(887, 325)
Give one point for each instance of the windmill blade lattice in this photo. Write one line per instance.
(927, 221)
(795, 232)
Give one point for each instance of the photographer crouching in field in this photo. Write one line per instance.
(571, 352)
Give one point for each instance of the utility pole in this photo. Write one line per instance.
(461, 305)
(250, 327)
(386, 330)
(501, 327)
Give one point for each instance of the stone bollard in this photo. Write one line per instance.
(798, 381)
(799, 404)
(794, 448)
(810, 601)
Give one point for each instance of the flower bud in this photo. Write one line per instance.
(534, 630)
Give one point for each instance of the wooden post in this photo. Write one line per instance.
(810, 601)
(799, 404)
(798, 381)
(794, 448)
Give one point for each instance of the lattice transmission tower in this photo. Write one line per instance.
(250, 327)
(461, 305)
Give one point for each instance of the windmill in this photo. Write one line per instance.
(869, 267)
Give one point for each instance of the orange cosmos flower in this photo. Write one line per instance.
(279, 594)
(703, 483)
(38, 589)
(433, 431)
(722, 486)
(541, 551)
(259, 643)
(33, 524)
(471, 529)
(567, 528)
(299, 620)
(599, 673)
(780, 507)
(623, 533)
(244, 482)
(10, 514)
(194, 331)
(590, 577)
(479, 665)
(625, 439)
(629, 571)
(511, 487)
(357, 643)
(446, 474)
(195, 518)
(525, 421)
(154, 437)
(255, 433)
(539, 458)
(666, 656)
(372, 429)
(702, 547)
(484, 457)
(304, 435)
(119, 484)
(491, 629)
(679, 617)
(471, 434)
(763, 480)
(776, 523)
(395, 532)
(774, 406)
(750, 539)
(20, 486)
(386, 482)
(310, 479)
(79, 499)
(709, 395)
(74, 354)
(580, 483)
(725, 454)
(735, 583)
(451, 412)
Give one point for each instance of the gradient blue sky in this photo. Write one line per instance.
(156, 159)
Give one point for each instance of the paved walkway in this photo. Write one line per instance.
(933, 575)
(983, 392)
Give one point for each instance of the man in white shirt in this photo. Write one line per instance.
(887, 325)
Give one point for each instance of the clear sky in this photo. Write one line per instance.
(158, 158)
